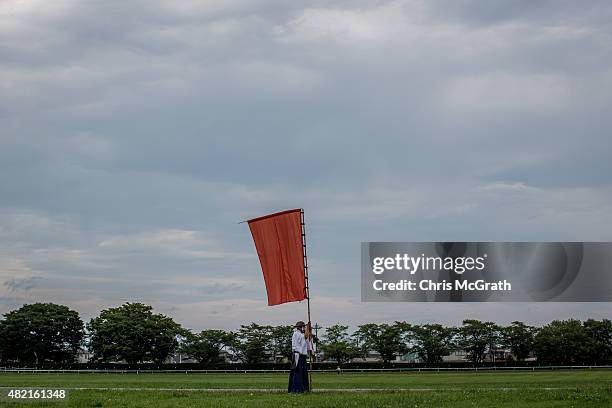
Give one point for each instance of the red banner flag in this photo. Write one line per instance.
(278, 240)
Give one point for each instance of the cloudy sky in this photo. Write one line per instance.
(135, 135)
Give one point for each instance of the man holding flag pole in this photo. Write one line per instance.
(298, 377)
(280, 241)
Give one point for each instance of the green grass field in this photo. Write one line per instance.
(567, 388)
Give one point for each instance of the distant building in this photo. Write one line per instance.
(372, 356)
(408, 358)
(455, 356)
(181, 358)
(462, 356)
(83, 355)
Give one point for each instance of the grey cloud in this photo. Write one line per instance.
(17, 284)
(385, 120)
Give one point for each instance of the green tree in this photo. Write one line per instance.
(206, 346)
(494, 336)
(600, 331)
(476, 337)
(251, 343)
(383, 338)
(432, 341)
(39, 333)
(280, 341)
(132, 332)
(564, 342)
(519, 338)
(338, 345)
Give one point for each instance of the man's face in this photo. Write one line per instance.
(302, 328)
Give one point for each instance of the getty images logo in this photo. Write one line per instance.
(413, 264)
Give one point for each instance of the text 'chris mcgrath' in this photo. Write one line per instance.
(413, 264)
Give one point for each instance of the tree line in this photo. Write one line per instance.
(44, 333)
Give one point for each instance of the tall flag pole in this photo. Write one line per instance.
(280, 240)
(307, 297)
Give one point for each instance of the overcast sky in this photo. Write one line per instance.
(135, 135)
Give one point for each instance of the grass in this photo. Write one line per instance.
(567, 388)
